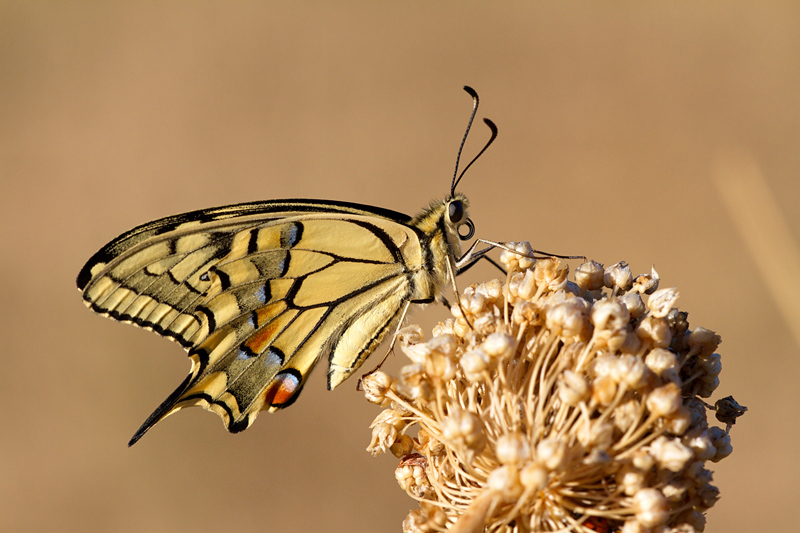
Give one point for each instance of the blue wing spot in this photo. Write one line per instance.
(284, 265)
(273, 357)
(264, 293)
(243, 354)
(291, 234)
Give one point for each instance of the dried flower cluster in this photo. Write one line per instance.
(552, 405)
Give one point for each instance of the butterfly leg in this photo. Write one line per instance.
(471, 256)
(452, 272)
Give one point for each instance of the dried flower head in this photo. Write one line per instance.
(550, 405)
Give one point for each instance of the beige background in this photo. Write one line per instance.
(611, 121)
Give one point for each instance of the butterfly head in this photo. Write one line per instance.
(457, 218)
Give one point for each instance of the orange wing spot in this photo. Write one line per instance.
(275, 320)
(268, 312)
(262, 339)
(282, 390)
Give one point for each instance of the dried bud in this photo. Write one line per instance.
(473, 302)
(728, 410)
(651, 507)
(474, 364)
(708, 495)
(663, 363)
(526, 313)
(402, 446)
(646, 283)
(550, 453)
(440, 366)
(512, 448)
(521, 258)
(589, 276)
(548, 275)
(413, 382)
(626, 415)
(375, 386)
(662, 302)
(519, 285)
(618, 277)
(464, 429)
(699, 440)
(411, 334)
(633, 301)
(411, 476)
(446, 327)
(679, 422)
(505, 482)
(604, 389)
(417, 352)
(630, 370)
(631, 479)
(703, 342)
(572, 388)
(567, 319)
(712, 365)
(722, 442)
(691, 522)
(534, 477)
(664, 400)
(499, 345)
(671, 453)
(385, 430)
(610, 314)
(708, 384)
(655, 330)
(491, 290)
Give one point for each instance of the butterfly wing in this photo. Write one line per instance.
(257, 293)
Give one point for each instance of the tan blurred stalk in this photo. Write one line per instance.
(764, 230)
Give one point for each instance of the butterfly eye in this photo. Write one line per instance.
(470, 230)
(455, 211)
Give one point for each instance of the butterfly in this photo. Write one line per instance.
(259, 292)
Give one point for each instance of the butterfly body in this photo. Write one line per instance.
(259, 292)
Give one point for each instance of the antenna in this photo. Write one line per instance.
(456, 176)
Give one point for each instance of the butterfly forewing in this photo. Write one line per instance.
(259, 292)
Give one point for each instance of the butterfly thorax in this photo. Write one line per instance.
(440, 244)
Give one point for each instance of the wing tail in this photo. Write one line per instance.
(166, 408)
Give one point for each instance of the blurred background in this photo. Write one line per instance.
(660, 134)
